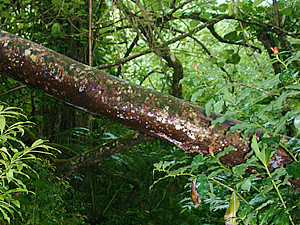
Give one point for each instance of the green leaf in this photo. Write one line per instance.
(225, 151)
(81, 2)
(244, 94)
(194, 23)
(221, 64)
(205, 15)
(231, 36)
(287, 11)
(37, 143)
(279, 172)
(246, 185)
(256, 3)
(265, 204)
(280, 124)
(267, 154)
(234, 59)
(213, 60)
(202, 185)
(230, 215)
(255, 147)
(227, 95)
(297, 123)
(285, 76)
(266, 100)
(239, 169)
(158, 165)
(15, 202)
(218, 107)
(269, 83)
(9, 175)
(244, 126)
(271, 141)
(227, 115)
(197, 161)
(294, 169)
(4, 14)
(217, 97)
(55, 29)
(2, 124)
(230, 9)
(177, 14)
(196, 95)
(292, 86)
(166, 164)
(208, 108)
(4, 213)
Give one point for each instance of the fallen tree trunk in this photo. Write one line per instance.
(161, 116)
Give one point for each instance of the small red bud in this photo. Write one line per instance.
(274, 50)
(195, 66)
(210, 150)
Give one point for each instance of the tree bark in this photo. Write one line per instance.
(161, 116)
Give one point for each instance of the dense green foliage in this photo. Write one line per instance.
(223, 62)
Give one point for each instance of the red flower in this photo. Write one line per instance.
(210, 150)
(195, 66)
(274, 50)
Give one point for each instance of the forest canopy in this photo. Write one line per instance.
(230, 61)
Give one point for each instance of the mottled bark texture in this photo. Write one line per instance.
(162, 116)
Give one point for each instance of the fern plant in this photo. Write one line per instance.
(15, 157)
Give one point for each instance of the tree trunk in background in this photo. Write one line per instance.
(162, 116)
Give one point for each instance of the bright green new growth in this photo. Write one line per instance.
(15, 159)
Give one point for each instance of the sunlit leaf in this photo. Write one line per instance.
(208, 108)
(246, 185)
(230, 215)
(297, 123)
(255, 147)
(219, 106)
(9, 175)
(177, 14)
(256, 3)
(2, 124)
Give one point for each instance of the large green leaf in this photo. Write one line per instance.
(230, 215)
(202, 185)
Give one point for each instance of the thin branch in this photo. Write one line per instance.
(129, 50)
(124, 60)
(129, 19)
(166, 76)
(245, 85)
(147, 75)
(14, 89)
(90, 34)
(103, 15)
(148, 20)
(219, 38)
(271, 28)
